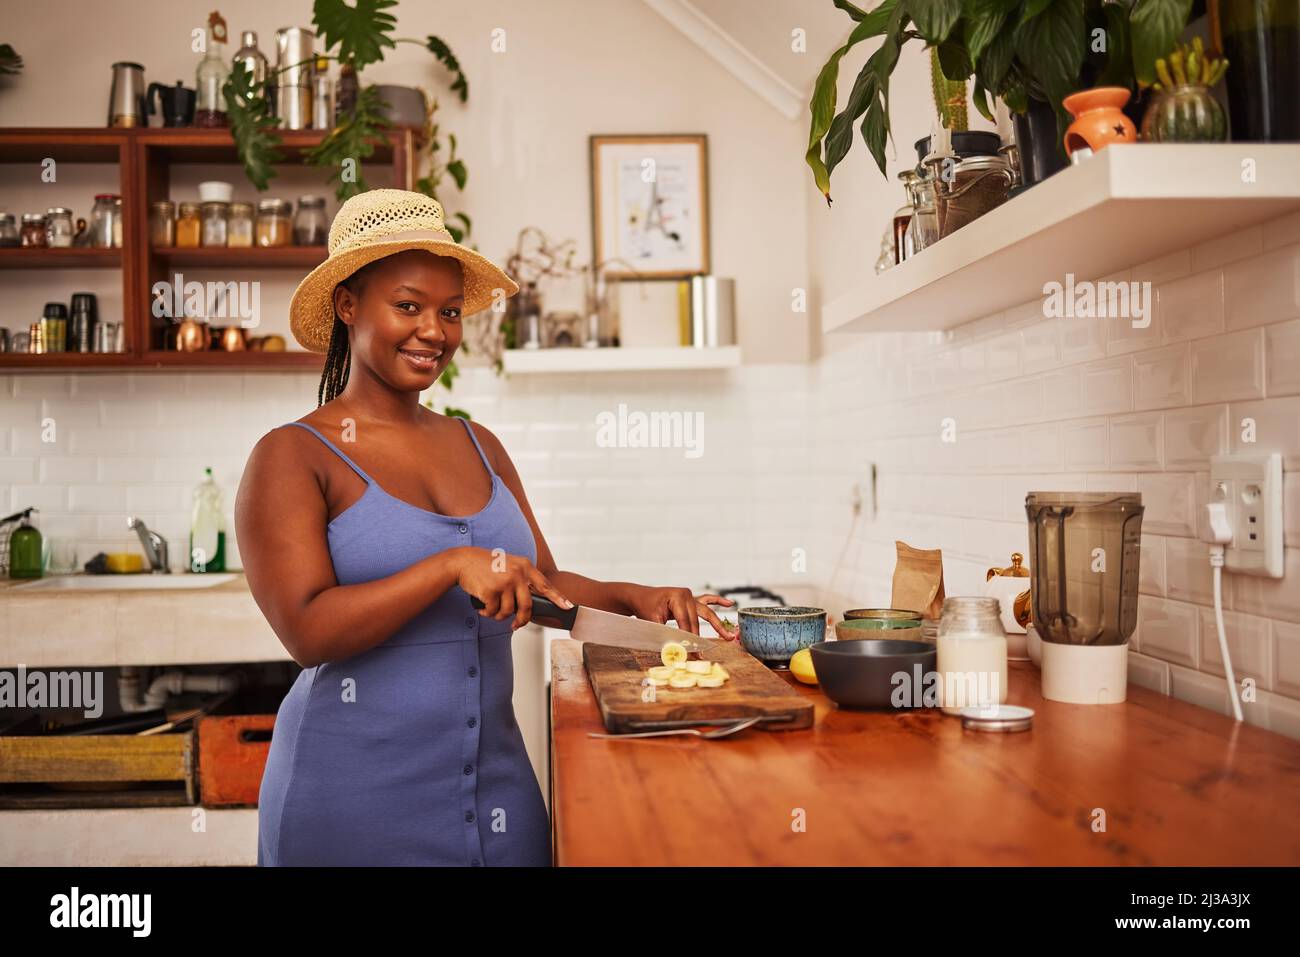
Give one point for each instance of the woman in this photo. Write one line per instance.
(397, 743)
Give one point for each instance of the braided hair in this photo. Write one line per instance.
(338, 360)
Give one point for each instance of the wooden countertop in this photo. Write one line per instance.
(1179, 785)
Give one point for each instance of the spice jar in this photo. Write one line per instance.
(214, 224)
(33, 233)
(968, 189)
(9, 235)
(971, 654)
(58, 227)
(187, 226)
(274, 222)
(239, 226)
(310, 227)
(105, 221)
(162, 223)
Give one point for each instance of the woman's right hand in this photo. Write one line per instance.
(504, 583)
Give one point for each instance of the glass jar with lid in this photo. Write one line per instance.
(274, 222)
(33, 233)
(923, 230)
(58, 227)
(971, 654)
(187, 226)
(239, 226)
(9, 235)
(105, 226)
(162, 224)
(310, 225)
(214, 216)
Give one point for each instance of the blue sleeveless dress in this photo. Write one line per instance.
(408, 753)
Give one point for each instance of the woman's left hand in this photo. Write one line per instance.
(683, 607)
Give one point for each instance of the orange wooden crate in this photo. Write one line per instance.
(232, 757)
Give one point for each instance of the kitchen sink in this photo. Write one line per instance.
(126, 582)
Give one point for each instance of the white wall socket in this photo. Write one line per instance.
(1251, 487)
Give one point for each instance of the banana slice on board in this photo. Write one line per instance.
(672, 653)
(683, 681)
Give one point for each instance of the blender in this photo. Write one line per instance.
(1084, 551)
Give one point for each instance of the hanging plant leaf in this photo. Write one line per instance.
(1033, 8)
(360, 30)
(439, 48)
(1053, 42)
(11, 64)
(458, 172)
(352, 139)
(979, 30)
(875, 129)
(934, 19)
(1154, 27)
(857, 13)
(252, 127)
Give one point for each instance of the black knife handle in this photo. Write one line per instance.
(543, 608)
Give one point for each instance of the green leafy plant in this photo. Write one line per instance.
(11, 64)
(1012, 49)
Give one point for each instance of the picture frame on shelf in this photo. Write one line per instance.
(650, 203)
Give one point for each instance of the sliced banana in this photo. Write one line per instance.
(718, 671)
(658, 682)
(660, 672)
(683, 681)
(672, 653)
(699, 667)
(709, 681)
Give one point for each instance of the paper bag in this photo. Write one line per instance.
(918, 580)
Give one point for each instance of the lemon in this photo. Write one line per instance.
(801, 667)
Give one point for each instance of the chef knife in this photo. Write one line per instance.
(607, 628)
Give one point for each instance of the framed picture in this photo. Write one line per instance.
(650, 204)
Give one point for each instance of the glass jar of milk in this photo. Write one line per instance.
(972, 654)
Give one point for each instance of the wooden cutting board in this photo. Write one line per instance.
(616, 675)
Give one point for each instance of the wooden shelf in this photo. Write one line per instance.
(145, 158)
(661, 359)
(255, 257)
(1127, 204)
(34, 257)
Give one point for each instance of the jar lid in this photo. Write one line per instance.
(240, 207)
(975, 164)
(107, 196)
(215, 205)
(311, 201)
(161, 204)
(58, 211)
(55, 310)
(998, 717)
(7, 218)
(275, 206)
(189, 209)
(33, 217)
(964, 604)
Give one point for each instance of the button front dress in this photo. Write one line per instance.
(408, 753)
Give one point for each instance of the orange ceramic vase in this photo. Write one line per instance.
(1099, 119)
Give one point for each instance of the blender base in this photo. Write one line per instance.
(1085, 674)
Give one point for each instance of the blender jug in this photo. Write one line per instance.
(1084, 579)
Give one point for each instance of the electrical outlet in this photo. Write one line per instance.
(1251, 488)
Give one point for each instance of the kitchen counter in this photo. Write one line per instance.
(203, 625)
(1153, 781)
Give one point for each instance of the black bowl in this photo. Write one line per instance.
(874, 673)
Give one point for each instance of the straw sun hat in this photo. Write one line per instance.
(370, 226)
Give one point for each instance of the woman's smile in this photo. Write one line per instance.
(422, 360)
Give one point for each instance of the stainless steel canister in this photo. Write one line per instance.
(295, 66)
(712, 312)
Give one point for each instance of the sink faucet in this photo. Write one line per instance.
(155, 546)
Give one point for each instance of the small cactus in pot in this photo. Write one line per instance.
(1184, 110)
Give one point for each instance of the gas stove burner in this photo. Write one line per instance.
(757, 593)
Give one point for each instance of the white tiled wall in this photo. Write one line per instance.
(1068, 405)
(1073, 404)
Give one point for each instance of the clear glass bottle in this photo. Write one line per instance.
(58, 227)
(187, 226)
(162, 224)
(310, 225)
(903, 217)
(971, 654)
(923, 231)
(322, 96)
(239, 227)
(210, 104)
(9, 235)
(213, 231)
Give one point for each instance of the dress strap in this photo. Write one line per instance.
(470, 429)
(337, 451)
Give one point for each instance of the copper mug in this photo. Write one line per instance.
(232, 339)
(192, 336)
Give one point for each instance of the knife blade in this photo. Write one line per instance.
(608, 628)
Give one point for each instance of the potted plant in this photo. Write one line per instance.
(1030, 53)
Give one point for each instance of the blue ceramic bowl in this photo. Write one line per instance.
(774, 634)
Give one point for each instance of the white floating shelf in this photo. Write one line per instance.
(1127, 204)
(529, 361)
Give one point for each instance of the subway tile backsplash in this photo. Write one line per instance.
(1031, 402)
